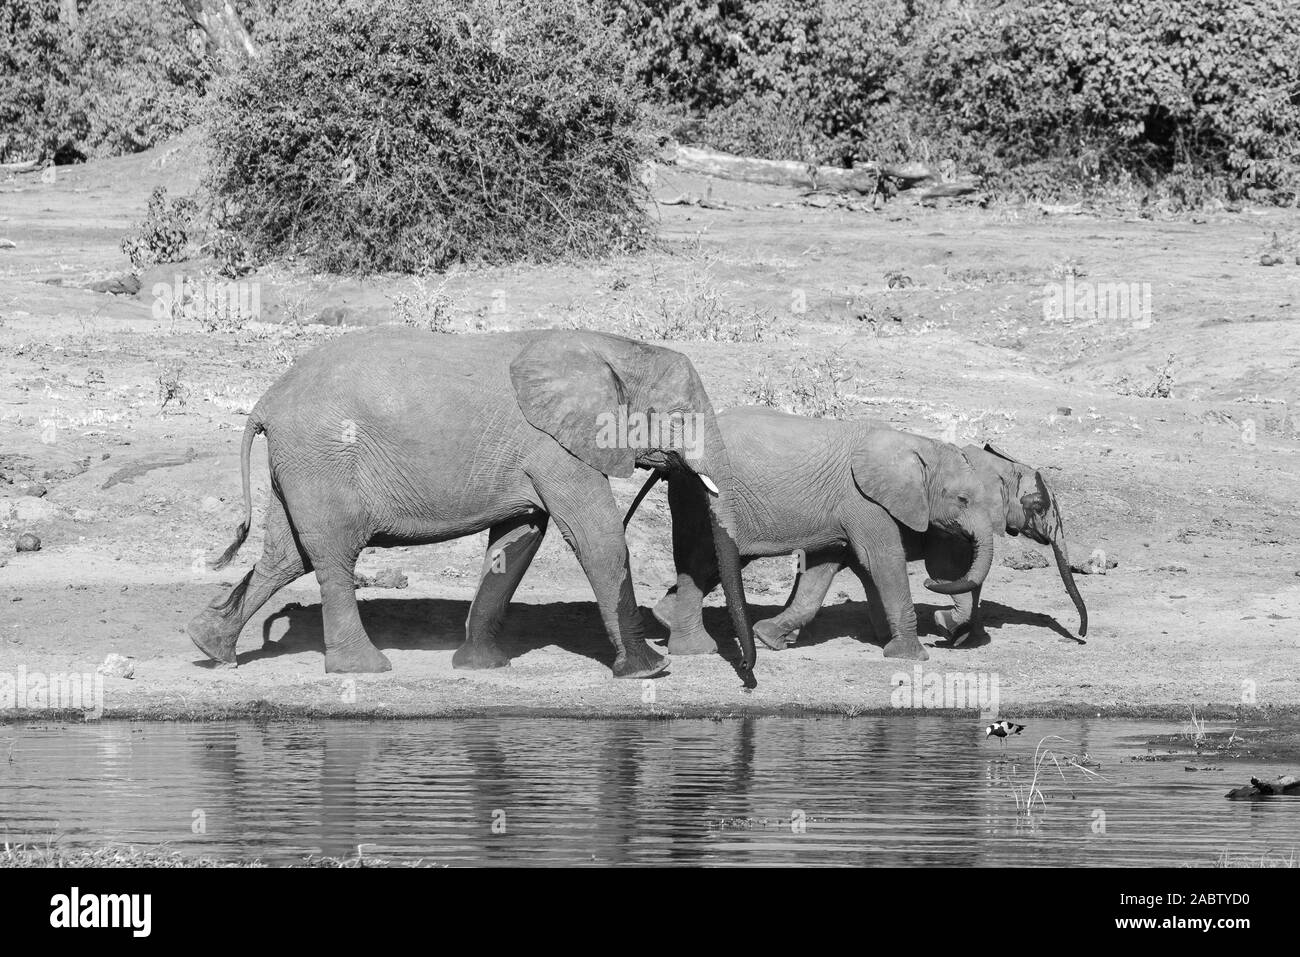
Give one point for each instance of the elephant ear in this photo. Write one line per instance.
(995, 495)
(567, 389)
(992, 449)
(888, 469)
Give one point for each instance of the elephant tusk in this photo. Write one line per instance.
(708, 483)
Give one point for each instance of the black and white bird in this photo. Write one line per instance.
(1000, 729)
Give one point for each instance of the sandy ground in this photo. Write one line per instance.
(936, 312)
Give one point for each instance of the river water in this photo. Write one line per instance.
(807, 791)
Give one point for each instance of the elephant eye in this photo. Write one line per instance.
(962, 499)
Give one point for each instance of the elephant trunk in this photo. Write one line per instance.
(981, 534)
(714, 469)
(1062, 556)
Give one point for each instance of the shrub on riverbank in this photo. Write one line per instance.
(414, 134)
(1192, 99)
(120, 79)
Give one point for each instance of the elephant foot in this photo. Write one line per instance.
(478, 655)
(969, 636)
(946, 620)
(356, 658)
(639, 660)
(906, 648)
(695, 642)
(774, 635)
(664, 611)
(211, 638)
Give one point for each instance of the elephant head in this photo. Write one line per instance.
(1031, 509)
(619, 404)
(926, 484)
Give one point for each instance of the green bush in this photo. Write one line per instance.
(122, 80)
(796, 79)
(1191, 98)
(1201, 95)
(412, 134)
(163, 235)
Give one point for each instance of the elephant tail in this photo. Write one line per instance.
(655, 476)
(251, 429)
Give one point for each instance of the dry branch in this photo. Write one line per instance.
(863, 179)
(227, 38)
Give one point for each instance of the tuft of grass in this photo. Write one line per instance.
(53, 854)
(1032, 793)
(170, 387)
(163, 236)
(692, 310)
(815, 386)
(427, 306)
(1195, 731)
(1265, 860)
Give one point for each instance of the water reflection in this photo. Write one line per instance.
(764, 791)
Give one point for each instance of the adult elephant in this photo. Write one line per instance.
(854, 493)
(396, 436)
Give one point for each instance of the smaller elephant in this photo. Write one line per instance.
(842, 493)
(1028, 507)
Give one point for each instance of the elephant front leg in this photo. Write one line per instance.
(947, 558)
(810, 588)
(579, 499)
(511, 547)
(878, 548)
(682, 610)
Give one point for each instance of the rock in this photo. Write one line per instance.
(334, 316)
(8, 244)
(1176, 569)
(1288, 784)
(1065, 410)
(117, 666)
(84, 515)
(27, 542)
(1025, 560)
(389, 578)
(34, 489)
(1093, 567)
(27, 509)
(124, 285)
(1268, 259)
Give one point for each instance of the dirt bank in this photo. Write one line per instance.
(1188, 480)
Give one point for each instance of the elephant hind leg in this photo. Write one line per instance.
(511, 547)
(215, 630)
(333, 534)
(810, 588)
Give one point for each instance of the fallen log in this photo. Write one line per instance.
(1288, 784)
(747, 169)
(865, 179)
(26, 166)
